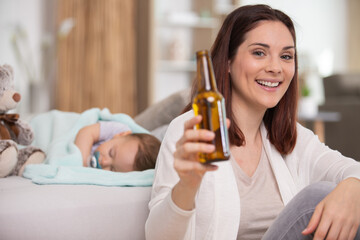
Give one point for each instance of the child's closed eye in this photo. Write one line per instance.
(111, 153)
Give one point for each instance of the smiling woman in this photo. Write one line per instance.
(255, 195)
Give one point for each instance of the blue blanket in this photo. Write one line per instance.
(55, 132)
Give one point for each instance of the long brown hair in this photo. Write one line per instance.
(280, 121)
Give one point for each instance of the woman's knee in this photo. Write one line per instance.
(307, 199)
(297, 214)
(317, 191)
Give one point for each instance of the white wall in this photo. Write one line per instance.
(320, 25)
(26, 14)
(321, 35)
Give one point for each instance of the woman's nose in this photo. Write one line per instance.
(274, 65)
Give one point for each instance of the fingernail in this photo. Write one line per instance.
(213, 167)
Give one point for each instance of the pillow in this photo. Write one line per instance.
(162, 113)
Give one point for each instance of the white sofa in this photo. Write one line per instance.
(44, 212)
(30, 211)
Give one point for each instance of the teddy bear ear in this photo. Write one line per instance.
(9, 69)
(6, 71)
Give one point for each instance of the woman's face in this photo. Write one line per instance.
(263, 66)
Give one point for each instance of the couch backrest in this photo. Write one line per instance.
(163, 112)
(342, 85)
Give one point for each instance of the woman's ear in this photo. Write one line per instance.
(122, 134)
(229, 62)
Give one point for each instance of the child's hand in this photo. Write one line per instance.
(85, 139)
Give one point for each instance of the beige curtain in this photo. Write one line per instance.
(354, 35)
(96, 61)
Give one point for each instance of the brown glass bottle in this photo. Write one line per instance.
(210, 104)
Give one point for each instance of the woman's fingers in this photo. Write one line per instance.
(344, 233)
(353, 231)
(194, 141)
(314, 221)
(193, 168)
(228, 122)
(192, 135)
(189, 124)
(337, 216)
(323, 229)
(191, 150)
(199, 135)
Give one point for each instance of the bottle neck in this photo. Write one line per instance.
(205, 73)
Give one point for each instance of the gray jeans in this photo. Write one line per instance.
(294, 218)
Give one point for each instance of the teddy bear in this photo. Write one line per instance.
(14, 131)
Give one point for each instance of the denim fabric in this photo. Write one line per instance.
(294, 218)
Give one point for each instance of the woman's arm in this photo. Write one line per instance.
(187, 164)
(178, 178)
(86, 138)
(317, 162)
(337, 216)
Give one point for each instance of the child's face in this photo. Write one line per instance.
(118, 154)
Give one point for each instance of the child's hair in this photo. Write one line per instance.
(148, 150)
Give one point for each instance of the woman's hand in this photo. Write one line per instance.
(187, 165)
(337, 216)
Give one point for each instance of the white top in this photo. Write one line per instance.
(260, 199)
(217, 211)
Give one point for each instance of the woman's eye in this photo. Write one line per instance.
(287, 57)
(259, 53)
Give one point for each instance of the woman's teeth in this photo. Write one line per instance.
(268, 84)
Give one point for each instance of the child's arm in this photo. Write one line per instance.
(86, 138)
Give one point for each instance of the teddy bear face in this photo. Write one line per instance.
(9, 98)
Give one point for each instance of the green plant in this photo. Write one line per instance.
(305, 91)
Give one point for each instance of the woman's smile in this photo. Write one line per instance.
(268, 84)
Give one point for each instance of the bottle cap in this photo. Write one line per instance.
(202, 52)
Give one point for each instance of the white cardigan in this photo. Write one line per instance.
(217, 212)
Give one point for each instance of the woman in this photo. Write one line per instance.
(273, 180)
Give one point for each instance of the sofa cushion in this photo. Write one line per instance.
(163, 112)
(342, 85)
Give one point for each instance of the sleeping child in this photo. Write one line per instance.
(112, 146)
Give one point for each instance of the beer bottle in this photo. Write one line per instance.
(210, 104)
